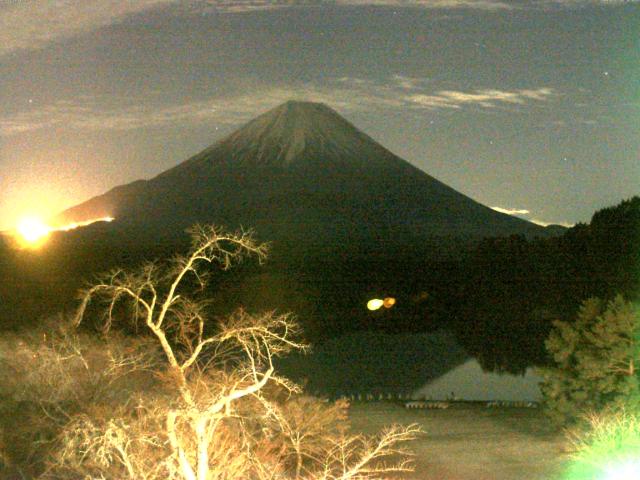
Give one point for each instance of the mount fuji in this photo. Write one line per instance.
(300, 174)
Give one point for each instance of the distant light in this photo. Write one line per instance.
(32, 231)
(629, 470)
(375, 304)
(71, 226)
(389, 302)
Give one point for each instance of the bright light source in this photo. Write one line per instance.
(71, 226)
(375, 304)
(389, 302)
(32, 231)
(629, 470)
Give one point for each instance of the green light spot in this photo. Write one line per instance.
(608, 450)
(629, 470)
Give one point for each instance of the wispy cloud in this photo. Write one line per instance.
(91, 114)
(410, 83)
(583, 3)
(32, 24)
(241, 6)
(482, 98)
(35, 23)
(244, 6)
(345, 94)
(442, 4)
(403, 91)
(235, 6)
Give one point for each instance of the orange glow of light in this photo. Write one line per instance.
(71, 226)
(32, 232)
(389, 302)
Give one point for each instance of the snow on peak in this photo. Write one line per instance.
(298, 129)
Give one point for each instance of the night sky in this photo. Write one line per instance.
(524, 105)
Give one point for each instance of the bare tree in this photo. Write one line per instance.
(53, 373)
(220, 411)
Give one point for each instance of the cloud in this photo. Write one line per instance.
(91, 114)
(32, 24)
(482, 98)
(240, 6)
(404, 91)
(583, 3)
(235, 6)
(511, 211)
(441, 4)
(35, 23)
(244, 6)
(345, 94)
(410, 83)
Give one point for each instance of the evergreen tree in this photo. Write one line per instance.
(596, 360)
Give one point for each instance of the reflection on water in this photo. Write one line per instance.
(370, 362)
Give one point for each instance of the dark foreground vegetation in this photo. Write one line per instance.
(499, 296)
(146, 381)
(517, 288)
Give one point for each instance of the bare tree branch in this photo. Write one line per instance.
(215, 418)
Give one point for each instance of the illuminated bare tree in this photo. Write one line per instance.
(222, 411)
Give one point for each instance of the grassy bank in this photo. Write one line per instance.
(472, 442)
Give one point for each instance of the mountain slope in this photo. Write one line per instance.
(301, 173)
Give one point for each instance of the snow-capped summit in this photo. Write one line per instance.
(294, 135)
